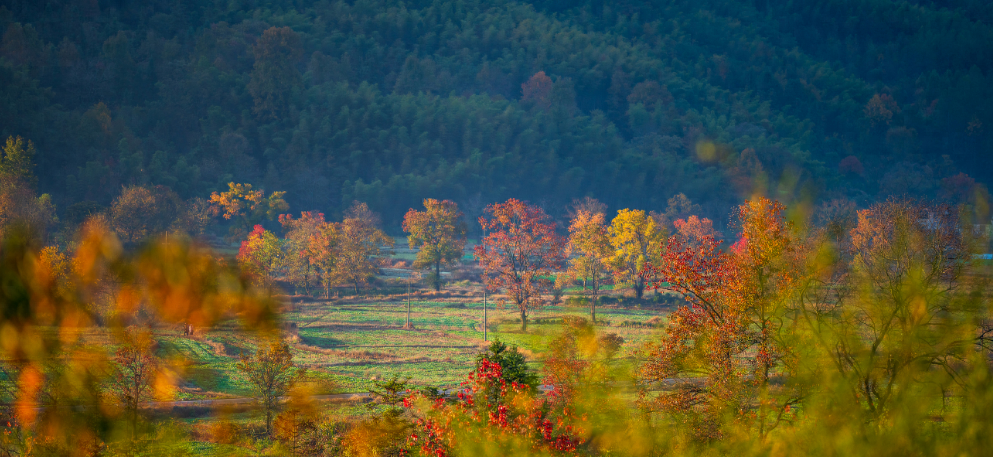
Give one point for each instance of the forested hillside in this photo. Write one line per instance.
(389, 102)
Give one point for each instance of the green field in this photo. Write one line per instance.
(352, 341)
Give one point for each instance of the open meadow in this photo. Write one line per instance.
(355, 339)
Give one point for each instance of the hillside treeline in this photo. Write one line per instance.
(390, 102)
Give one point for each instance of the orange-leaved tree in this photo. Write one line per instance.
(440, 233)
(695, 228)
(520, 253)
(324, 252)
(359, 243)
(590, 250)
(725, 347)
(299, 261)
(637, 240)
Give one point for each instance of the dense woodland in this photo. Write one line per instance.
(792, 196)
(390, 102)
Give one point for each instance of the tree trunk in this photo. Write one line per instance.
(639, 288)
(593, 306)
(524, 320)
(437, 276)
(306, 280)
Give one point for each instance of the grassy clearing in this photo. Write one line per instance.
(349, 343)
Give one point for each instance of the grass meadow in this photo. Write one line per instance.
(351, 341)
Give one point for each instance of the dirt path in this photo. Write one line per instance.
(336, 398)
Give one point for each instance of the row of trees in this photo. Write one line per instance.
(315, 251)
(874, 341)
(521, 253)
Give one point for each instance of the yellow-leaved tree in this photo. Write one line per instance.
(590, 251)
(248, 207)
(440, 233)
(637, 239)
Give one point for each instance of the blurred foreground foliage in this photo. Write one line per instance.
(59, 399)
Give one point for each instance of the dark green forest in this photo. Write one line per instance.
(389, 102)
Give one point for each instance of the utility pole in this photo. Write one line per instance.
(483, 241)
(407, 325)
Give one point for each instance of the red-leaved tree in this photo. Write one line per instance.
(520, 253)
(723, 350)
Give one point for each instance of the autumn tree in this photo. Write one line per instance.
(678, 207)
(360, 242)
(836, 217)
(590, 252)
(298, 233)
(261, 255)
(588, 204)
(19, 203)
(274, 75)
(694, 228)
(360, 211)
(141, 212)
(323, 251)
(270, 374)
(740, 303)
(136, 368)
(195, 217)
(904, 309)
(247, 207)
(538, 90)
(439, 232)
(298, 421)
(18, 161)
(636, 240)
(520, 253)
(879, 110)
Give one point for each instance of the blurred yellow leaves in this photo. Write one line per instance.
(706, 151)
(56, 301)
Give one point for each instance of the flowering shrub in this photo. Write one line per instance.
(490, 415)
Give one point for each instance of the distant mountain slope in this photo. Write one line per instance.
(390, 102)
